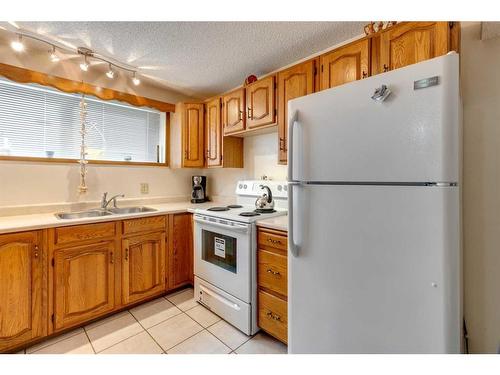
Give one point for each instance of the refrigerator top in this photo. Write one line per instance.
(357, 132)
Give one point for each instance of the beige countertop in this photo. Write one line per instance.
(278, 223)
(19, 223)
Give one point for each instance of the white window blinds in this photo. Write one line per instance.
(41, 122)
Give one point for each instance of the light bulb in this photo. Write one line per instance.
(84, 65)
(110, 73)
(17, 45)
(136, 80)
(53, 56)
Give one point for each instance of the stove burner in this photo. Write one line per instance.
(248, 214)
(264, 210)
(218, 209)
(234, 206)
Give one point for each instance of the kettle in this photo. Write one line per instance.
(265, 201)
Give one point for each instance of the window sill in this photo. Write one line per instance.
(75, 161)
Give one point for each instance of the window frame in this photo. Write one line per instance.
(22, 75)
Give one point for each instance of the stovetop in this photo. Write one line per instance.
(244, 213)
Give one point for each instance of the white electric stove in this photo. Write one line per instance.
(226, 253)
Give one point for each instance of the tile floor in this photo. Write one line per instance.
(174, 324)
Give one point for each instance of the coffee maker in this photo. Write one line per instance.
(199, 193)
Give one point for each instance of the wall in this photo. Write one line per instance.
(480, 82)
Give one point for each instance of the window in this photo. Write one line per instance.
(36, 121)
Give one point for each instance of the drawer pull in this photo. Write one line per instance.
(126, 253)
(274, 241)
(275, 273)
(273, 316)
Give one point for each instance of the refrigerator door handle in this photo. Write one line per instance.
(294, 248)
(291, 122)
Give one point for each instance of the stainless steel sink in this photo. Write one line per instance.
(130, 210)
(82, 214)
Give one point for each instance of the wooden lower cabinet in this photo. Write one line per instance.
(23, 288)
(143, 266)
(272, 281)
(84, 283)
(180, 250)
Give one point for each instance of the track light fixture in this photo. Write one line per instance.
(52, 55)
(84, 65)
(17, 45)
(136, 80)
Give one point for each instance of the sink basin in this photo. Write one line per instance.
(82, 214)
(130, 210)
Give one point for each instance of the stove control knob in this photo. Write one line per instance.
(285, 187)
(280, 188)
(240, 186)
(245, 186)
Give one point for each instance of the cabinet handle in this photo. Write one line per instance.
(185, 154)
(365, 74)
(273, 316)
(275, 273)
(274, 241)
(112, 258)
(126, 254)
(248, 113)
(208, 154)
(281, 144)
(386, 68)
(36, 251)
(240, 117)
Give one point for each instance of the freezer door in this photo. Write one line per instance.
(377, 270)
(342, 134)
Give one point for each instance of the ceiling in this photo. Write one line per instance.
(201, 58)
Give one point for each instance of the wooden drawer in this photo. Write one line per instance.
(273, 315)
(86, 232)
(272, 238)
(272, 271)
(145, 224)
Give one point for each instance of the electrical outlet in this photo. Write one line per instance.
(144, 188)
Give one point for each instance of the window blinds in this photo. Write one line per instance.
(41, 122)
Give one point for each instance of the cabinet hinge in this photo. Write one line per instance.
(53, 262)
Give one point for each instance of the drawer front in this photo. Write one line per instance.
(78, 233)
(273, 315)
(272, 271)
(144, 224)
(272, 239)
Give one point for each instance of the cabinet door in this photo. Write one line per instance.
(260, 99)
(411, 42)
(213, 133)
(180, 260)
(345, 64)
(23, 305)
(143, 266)
(294, 82)
(192, 135)
(233, 111)
(84, 283)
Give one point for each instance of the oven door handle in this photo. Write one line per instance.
(241, 229)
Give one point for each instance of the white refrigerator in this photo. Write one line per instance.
(374, 214)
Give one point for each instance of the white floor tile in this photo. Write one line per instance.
(97, 323)
(54, 340)
(138, 344)
(229, 335)
(262, 343)
(113, 331)
(154, 312)
(174, 330)
(203, 316)
(201, 343)
(77, 344)
(184, 299)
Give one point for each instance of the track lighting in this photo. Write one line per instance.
(136, 80)
(84, 65)
(52, 55)
(110, 73)
(17, 45)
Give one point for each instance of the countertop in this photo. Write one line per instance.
(19, 223)
(278, 223)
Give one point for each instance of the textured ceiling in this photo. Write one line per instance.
(202, 58)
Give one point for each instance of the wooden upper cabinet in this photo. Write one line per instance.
(412, 42)
(213, 132)
(83, 283)
(293, 82)
(192, 135)
(261, 104)
(23, 307)
(180, 250)
(233, 111)
(143, 266)
(345, 64)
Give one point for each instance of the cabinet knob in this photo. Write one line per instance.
(365, 74)
(386, 68)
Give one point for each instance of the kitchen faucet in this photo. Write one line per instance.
(105, 203)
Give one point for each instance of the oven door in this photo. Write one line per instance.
(223, 254)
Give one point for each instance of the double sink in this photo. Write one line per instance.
(103, 212)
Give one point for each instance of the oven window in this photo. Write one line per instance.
(219, 249)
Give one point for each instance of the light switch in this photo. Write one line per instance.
(144, 188)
